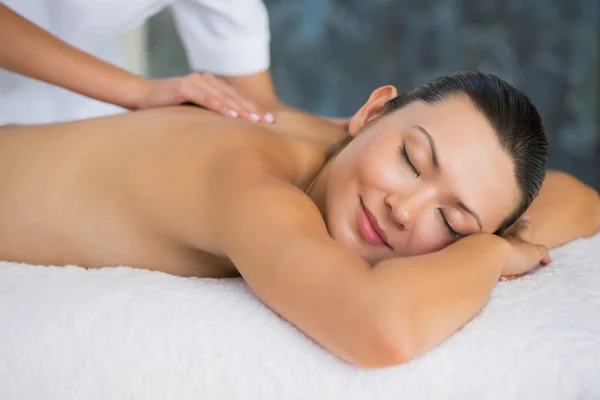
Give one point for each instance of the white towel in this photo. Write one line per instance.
(120, 333)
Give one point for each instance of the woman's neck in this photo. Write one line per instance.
(305, 126)
(317, 189)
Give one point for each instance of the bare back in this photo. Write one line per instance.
(129, 189)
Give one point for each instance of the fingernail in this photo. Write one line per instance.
(233, 113)
(525, 218)
(254, 117)
(269, 118)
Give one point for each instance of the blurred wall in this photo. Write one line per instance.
(328, 55)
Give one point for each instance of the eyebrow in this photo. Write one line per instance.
(468, 210)
(434, 157)
(436, 165)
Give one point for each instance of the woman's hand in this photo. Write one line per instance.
(524, 256)
(205, 90)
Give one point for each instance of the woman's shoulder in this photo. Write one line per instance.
(291, 148)
(294, 148)
(293, 158)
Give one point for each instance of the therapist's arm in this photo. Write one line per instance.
(29, 50)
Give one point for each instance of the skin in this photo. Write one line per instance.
(412, 199)
(89, 158)
(190, 193)
(36, 53)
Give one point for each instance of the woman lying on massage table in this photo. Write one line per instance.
(378, 253)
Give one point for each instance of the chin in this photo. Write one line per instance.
(356, 247)
(353, 242)
(346, 237)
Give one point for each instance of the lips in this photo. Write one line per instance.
(369, 228)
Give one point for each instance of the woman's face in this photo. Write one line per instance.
(418, 179)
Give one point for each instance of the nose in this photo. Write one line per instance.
(405, 209)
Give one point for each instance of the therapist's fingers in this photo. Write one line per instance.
(214, 103)
(241, 103)
(216, 95)
(229, 91)
(230, 107)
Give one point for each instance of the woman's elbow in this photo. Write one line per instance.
(595, 209)
(388, 352)
(590, 209)
(389, 342)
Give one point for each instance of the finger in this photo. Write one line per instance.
(242, 112)
(506, 278)
(545, 255)
(244, 105)
(214, 101)
(239, 102)
(216, 95)
(215, 104)
(229, 97)
(202, 89)
(250, 111)
(267, 117)
(207, 96)
(237, 96)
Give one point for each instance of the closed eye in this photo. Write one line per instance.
(453, 234)
(404, 155)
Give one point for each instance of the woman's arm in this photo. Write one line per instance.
(565, 210)
(372, 317)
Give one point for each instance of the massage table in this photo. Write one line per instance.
(122, 333)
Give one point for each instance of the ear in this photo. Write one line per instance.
(372, 108)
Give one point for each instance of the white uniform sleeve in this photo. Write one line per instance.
(224, 37)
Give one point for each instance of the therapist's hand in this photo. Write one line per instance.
(205, 90)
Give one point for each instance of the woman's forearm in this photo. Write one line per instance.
(565, 210)
(29, 50)
(429, 297)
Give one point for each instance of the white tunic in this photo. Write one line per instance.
(224, 37)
